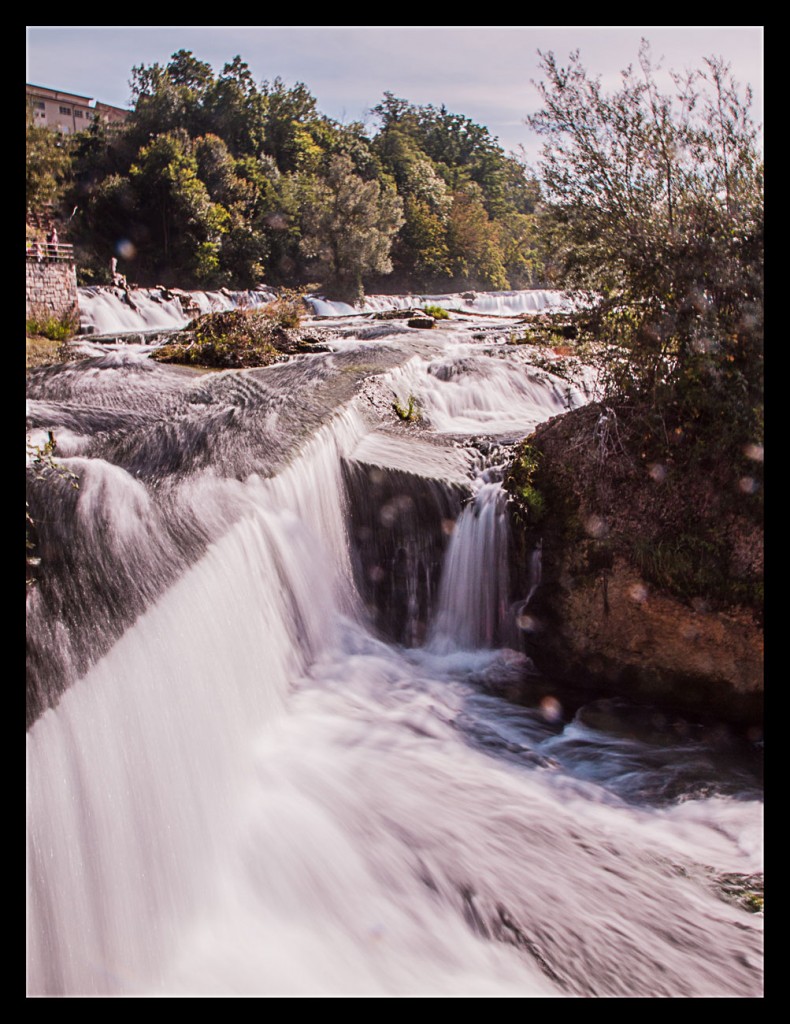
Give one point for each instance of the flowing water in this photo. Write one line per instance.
(265, 753)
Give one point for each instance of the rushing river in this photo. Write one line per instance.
(265, 755)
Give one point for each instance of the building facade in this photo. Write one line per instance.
(67, 112)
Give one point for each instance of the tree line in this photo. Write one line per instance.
(649, 197)
(217, 180)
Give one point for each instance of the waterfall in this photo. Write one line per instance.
(474, 590)
(110, 310)
(499, 303)
(262, 759)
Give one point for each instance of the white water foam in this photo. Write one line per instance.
(249, 794)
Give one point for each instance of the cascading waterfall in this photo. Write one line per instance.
(492, 303)
(473, 599)
(250, 786)
(110, 310)
(106, 310)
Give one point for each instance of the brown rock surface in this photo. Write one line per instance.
(649, 578)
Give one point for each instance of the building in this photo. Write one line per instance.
(67, 112)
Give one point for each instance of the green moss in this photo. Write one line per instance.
(409, 413)
(533, 501)
(529, 500)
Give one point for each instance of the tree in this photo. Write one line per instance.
(184, 226)
(47, 165)
(170, 98)
(236, 110)
(289, 114)
(654, 202)
(349, 226)
(474, 242)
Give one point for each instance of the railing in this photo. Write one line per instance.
(49, 252)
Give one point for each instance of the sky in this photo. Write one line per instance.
(485, 72)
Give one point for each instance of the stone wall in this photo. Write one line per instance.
(51, 289)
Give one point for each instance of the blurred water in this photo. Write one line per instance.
(238, 784)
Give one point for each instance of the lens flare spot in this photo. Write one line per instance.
(126, 249)
(551, 709)
(527, 622)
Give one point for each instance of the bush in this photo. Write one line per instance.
(436, 312)
(46, 325)
(408, 413)
(654, 205)
(287, 310)
(239, 338)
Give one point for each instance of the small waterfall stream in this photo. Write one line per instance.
(262, 758)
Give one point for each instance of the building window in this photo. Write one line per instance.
(65, 110)
(78, 113)
(40, 105)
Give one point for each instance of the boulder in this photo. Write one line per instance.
(422, 320)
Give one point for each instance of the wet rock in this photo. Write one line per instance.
(397, 314)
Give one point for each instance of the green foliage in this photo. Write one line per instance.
(691, 565)
(436, 312)
(287, 310)
(186, 226)
(47, 165)
(239, 338)
(216, 180)
(684, 564)
(349, 227)
(476, 257)
(46, 325)
(408, 413)
(528, 501)
(654, 203)
(464, 200)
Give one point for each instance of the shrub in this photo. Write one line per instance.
(46, 325)
(530, 504)
(287, 310)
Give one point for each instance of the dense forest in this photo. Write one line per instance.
(215, 180)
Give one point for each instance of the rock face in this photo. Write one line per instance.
(615, 628)
(641, 571)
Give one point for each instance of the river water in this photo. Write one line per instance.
(265, 753)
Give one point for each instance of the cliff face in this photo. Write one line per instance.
(652, 571)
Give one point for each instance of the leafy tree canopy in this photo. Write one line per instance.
(654, 201)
